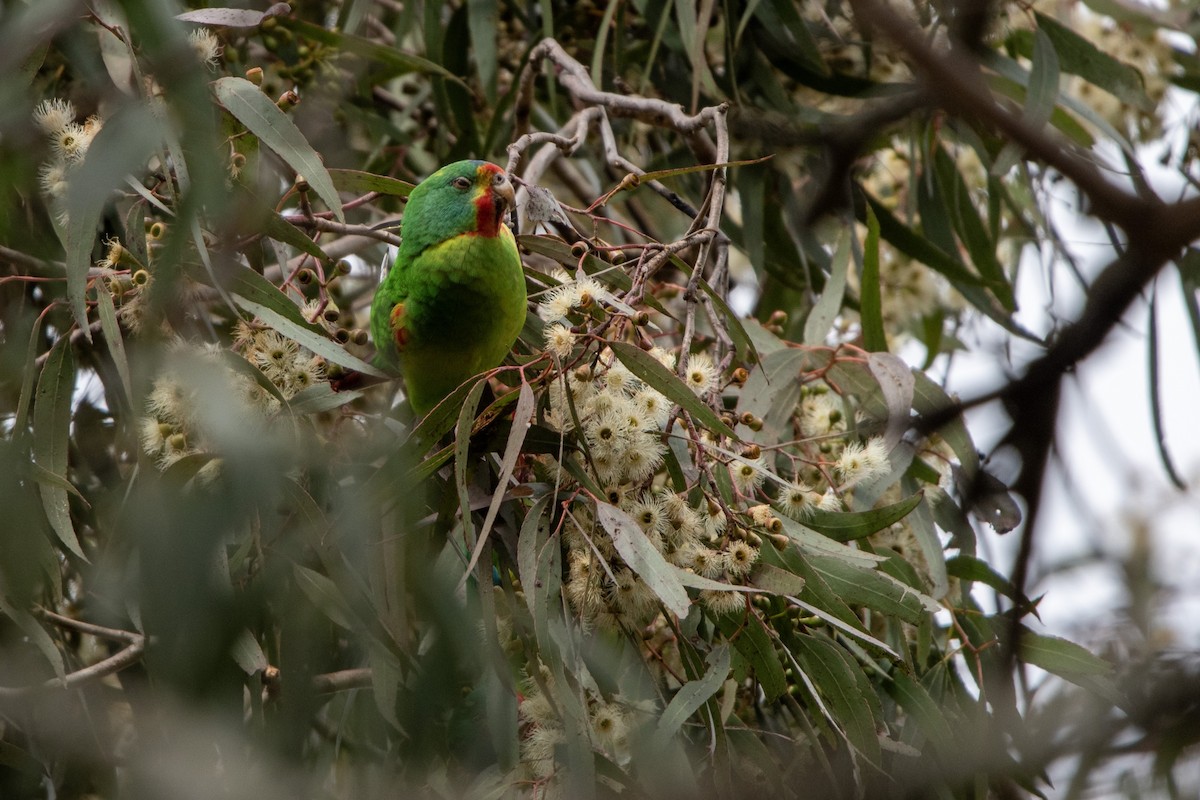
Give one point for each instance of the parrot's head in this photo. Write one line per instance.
(466, 197)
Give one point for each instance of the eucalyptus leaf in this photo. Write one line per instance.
(641, 556)
(52, 405)
(275, 129)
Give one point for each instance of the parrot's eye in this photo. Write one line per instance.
(461, 183)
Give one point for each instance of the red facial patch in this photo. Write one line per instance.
(489, 209)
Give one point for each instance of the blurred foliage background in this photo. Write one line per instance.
(713, 530)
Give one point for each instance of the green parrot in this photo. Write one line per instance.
(453, 303)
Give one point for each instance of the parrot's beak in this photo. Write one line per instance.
(506, 192)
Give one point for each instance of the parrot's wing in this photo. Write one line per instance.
(396, 321)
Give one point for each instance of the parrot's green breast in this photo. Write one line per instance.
(454, 302)
(465, 307)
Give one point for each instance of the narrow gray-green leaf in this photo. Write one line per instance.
(846, 691)
(278, 228)
(1060, 656)
(928, 714)
(750, 638)
(827, 307)
(358, 182)
(248, 654)
(325, 595)
(775, 580)
(51, 431)
(693, 694)
(483, 17)
(1081, 57)
(1043, 81)
(320, 397)
(867, 587)
(37, 635)
(1156, 417)
(811, 542)
(275, 129)
(232, 17)
(921, 524)
(641, 557)
(870, 296)
(28, 379)
(531, 543)
(462, 444)
(376, 55)
(522, 417)
(846, 526)
(896, 382)
(115, 342)
(969, 568)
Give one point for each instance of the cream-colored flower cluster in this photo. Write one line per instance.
(288, 366)
(69, 143)
(610, 723)
(175, 427)
(620, 425)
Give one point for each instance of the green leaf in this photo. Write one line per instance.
(811, 542)
(255, 294)
(742, 343)
(1043, 81)
(750, 638)
(773, 580)
(870, 297)
(51, 428)
(230, 17)
(37, 636)
(846, 691)
(969, 568)
(649, 369)
(967, 283)
(772, 392)
(483, 17)
(325, 595)
(357, 182)
(462, 442)
(1160, 435)
(867, 587)
(1041, 98)
(846, 526)
(641, 556)
(248, 654)
(921, 524)
(1060, 656)
(276, 227)
(321, 397)
(1081, 57)
(275, 129)
(692, 695)
(395, 60)
(1189, 283)
(930, 717)
(115, 343)
(970, 227)
(829, 305)
(537, 560)
(929, 399)
(522, 417)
